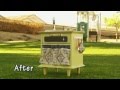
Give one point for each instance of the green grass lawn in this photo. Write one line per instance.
(102, 61)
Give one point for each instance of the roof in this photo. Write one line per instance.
(29, 18)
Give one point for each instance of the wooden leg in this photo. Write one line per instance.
(68, 72)
(78, 70)
(44, 71)
(57, 69)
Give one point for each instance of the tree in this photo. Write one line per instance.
(115, 22)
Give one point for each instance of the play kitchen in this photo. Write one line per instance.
(61, 50)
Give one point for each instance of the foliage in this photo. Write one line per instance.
(20, 26)
(113, 21)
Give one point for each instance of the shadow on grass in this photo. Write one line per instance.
(8, 62)
(21, 45)
(96, 67)
(102, 45)
(37, 44)
(101, 67)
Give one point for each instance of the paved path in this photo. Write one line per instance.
(110, 40)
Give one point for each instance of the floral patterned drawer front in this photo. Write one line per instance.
(55, 56)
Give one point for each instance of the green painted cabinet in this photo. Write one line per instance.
(83, 26)
(61, 49)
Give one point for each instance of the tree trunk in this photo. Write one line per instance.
(116, 34)
(99, 29)
(88, 27)
(98, 39)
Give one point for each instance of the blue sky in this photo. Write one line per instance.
(61, 17)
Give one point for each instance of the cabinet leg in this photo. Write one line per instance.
(68, 72)
(78, 70)
(44, 71)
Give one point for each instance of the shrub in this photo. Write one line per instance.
(20, 26)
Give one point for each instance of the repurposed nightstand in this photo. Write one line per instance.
(61, 49)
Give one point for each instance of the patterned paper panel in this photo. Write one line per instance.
(56, 56)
